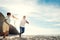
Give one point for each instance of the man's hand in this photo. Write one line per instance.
(27, 22)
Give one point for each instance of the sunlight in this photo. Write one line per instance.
(19, 11)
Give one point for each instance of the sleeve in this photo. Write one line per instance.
(6, 20)
(27, 22)
(6, 17)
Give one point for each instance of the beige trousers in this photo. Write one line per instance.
(5, 27)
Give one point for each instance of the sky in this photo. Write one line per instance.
(43, 15)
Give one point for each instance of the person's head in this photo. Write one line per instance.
(24, 17)
(8, 14)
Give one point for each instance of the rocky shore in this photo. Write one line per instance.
(30, 37)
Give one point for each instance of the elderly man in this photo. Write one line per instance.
(22, 25)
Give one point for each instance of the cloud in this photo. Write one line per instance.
(10, 1)
(15, 2)
(58, 25)
(33, 30)
(47, 13)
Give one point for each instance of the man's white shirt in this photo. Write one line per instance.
(22, 23)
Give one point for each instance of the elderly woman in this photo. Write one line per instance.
(8, 20)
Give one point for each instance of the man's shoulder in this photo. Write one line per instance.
(23, 20)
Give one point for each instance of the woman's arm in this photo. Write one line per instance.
(5, 20)
(14, 17)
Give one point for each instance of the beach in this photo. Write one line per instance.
(30, 37)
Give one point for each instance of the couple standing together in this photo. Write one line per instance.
(8, 20)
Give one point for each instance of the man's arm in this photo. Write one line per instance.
(27, 22)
